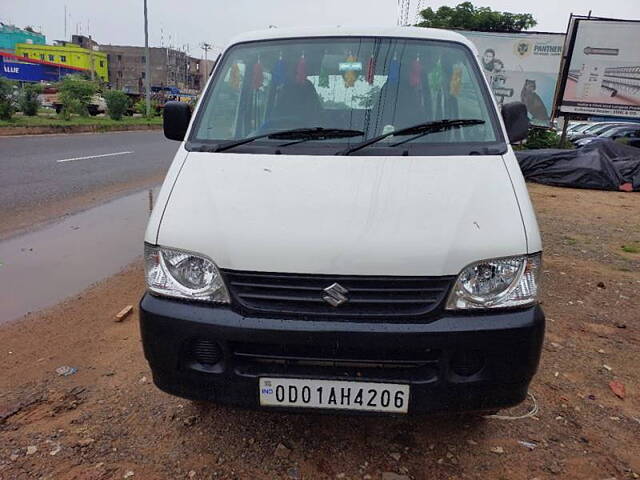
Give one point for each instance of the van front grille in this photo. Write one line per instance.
(352, 297)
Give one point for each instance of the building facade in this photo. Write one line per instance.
(68, 53)
(167, 68)
(10, 35)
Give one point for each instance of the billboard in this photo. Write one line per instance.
(25, 70)
(522, 67)
(602, 69)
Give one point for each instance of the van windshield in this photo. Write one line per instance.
(370, 85)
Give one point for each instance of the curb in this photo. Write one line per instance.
(53, 129)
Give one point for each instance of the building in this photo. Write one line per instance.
(168, 67)
(26, 70)
(10, 35)
(70, 54)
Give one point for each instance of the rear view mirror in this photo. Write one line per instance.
(516, 120)
(176, 119)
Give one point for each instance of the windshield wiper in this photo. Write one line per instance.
(303, 134)
(418, 130)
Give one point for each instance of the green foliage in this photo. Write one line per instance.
(7, 104)
(633, 247)
(28, 99)
(141, 108)
(466, 16)
(75, 95)
(545, 138)
(117, 103)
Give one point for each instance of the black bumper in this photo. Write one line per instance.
(456, 363)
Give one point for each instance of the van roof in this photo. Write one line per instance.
(354, 31)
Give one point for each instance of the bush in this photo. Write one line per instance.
(141, 108)
(7, 104)
(28, 99)
(75, 94)
(544, 138)
(117, 103)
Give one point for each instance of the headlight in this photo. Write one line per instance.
(497, 283)
(181, 274)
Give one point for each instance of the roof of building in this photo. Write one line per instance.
(355, 31)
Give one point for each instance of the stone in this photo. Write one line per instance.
(393, 476)
(281, 451)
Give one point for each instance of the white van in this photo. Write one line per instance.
(345, 227)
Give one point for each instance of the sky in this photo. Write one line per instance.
(191, 22)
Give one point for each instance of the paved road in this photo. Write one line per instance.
(38, 172)
(45, 168)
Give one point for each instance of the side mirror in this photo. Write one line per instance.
(516, 120)
(176, 119)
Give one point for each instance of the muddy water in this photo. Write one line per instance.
(41, 268)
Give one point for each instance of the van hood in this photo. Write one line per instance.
(357, 215)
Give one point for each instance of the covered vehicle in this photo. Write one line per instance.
(602, 164)
(345, 227)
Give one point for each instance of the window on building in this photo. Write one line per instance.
(63, 58)
(102, 63)
(52, 58)
(119, 58)
(144, 75)
(26, 55)
(120, 73)
(42, 56)
(143, 59)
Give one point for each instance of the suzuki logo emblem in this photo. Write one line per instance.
(335, 295)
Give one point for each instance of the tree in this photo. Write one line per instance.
(466, 16)
(7, 103)
(28, 99)
(117, 103)
(75, 94)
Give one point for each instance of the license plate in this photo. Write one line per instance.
(338, 395)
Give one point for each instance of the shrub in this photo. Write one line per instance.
(7, 104)
(28, 99)
(540, 137)
(141, 108)
(75, 95)
(117, 103)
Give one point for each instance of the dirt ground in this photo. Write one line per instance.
(108, 421)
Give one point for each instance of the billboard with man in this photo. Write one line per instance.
(522, 67)
(602, 69)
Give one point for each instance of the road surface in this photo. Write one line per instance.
(46, 176)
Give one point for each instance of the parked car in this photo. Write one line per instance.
(329, 238)
(627, 134)
(596, 130)
(579, 128)
(98, 104)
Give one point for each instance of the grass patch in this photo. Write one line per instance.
(53, 120)
(631, 248)
(570, 240)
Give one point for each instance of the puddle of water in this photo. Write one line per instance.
(41, 268)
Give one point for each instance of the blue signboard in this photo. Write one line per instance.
(32, 72)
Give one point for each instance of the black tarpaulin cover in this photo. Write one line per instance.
(602, 165)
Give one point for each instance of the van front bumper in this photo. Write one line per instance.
(458, 362)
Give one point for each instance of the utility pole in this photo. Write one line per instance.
(65, 22)
(147, 80)
(206, 47)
